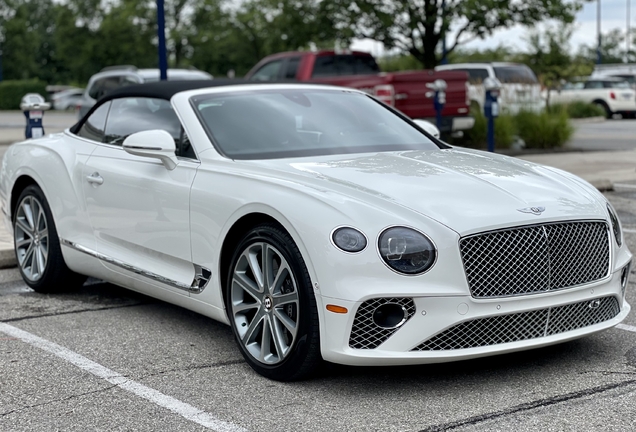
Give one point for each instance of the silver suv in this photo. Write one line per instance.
(113, 77)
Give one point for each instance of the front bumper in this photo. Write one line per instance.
(435, 315)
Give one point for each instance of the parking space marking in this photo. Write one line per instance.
(183, 409)
(627, 327)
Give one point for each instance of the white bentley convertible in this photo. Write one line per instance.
(318, 223)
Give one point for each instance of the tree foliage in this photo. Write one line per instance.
(69, 40)
(418, 26)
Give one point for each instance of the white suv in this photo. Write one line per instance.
(520, 87)
(113, 77)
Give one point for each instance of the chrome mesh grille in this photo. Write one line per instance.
(535, 259)
(522, 326)
(365, 334)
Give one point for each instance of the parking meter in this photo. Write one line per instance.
(439, 87)
(491, 108)
(33, 105)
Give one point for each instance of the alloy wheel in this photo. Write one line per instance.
(31, 238)
(265, 303)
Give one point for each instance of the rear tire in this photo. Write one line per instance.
(271, 305)
(37, 246)
(608, 113)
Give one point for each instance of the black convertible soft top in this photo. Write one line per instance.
(159, 90)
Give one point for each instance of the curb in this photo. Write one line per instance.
(603, 185)
(597, 119)
(7, 259)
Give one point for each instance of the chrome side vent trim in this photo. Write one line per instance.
(201, 279)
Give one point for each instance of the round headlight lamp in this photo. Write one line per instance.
(349, 239)
(406, 250)
(616, 226)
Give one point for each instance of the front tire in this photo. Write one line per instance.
(271, 305)
(37, 246)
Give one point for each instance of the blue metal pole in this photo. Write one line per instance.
(161, 33)
(599, 57)
(491, 134)
(444, 52)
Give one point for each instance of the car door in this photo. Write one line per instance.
(138, 209)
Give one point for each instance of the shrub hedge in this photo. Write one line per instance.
(548, 129)
(578, 109)
(11, 92)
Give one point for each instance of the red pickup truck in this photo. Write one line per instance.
(406, 91)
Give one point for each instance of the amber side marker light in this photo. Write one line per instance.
(337, 309)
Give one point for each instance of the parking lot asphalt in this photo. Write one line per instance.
(105, 358)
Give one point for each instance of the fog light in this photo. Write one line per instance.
(390, 315)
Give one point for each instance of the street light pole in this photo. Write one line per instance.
(444, 53)
(598, 31)
(161, 33)
(627, 35)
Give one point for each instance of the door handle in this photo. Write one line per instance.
(95, 179)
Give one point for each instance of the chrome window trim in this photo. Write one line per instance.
(606, 278)
(201, 279)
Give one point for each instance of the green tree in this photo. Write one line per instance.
(612, 48)
(417, 26)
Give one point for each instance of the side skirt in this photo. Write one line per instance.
(201, 274)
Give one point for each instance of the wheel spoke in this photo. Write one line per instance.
(35, 271)
(24, 227)
(40, 259)
(252, 260)
(28, 214)
(283, 272)
(242, 307)
(284, 319)
(241, 279)
(23, 242)
(266, 339)
(279, 339)
(27, 255)
(267, 264)
(283, 299)
(247, 337)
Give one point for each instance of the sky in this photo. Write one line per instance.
(613, 15)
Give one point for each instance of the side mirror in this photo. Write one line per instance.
(157, 144)
(428, 127)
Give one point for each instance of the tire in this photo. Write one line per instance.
(285, 303)
(37, 246)
(608, 113)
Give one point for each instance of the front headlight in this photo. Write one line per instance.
(406, 250)
(616, 226)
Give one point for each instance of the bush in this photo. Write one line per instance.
(578, 110)
(477, 137)
(544, 130)
(11, 92)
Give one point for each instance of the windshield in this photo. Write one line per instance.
(515, 75)
(266, 124)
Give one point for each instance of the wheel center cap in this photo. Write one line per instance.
(268, 303)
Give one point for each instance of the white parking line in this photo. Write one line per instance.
(627, 230)
(627, 327)
(176, 406)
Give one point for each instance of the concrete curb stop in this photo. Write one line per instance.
(603, 185)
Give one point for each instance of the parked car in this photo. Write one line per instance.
(406, 91)
(520, 87)
(113, 77)
(318, 223)
(624, 71)
(67, 99)
(614, 95)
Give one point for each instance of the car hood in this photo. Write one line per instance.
(466, 190)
